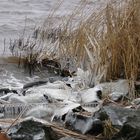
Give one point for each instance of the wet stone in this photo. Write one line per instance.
(130, 130)
(4, 91)
(32, 130)
(127, 121)
(83, 124)
(117, 115)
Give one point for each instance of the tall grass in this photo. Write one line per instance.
(107, 43)
(122, 41)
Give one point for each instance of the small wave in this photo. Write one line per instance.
(19, 12)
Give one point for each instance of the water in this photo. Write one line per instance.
(17, 15)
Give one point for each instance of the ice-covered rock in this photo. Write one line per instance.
(31, 98)
(121, 86)
(6, 97)
(115, 96)
(90, 95)
(57, 85)
(16, 99)
(59, 112)
(54, 93)
(41, 112)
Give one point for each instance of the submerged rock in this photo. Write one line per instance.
(31, 129)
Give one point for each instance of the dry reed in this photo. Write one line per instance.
(107, 44)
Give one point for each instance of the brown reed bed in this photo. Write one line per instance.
(107, 43)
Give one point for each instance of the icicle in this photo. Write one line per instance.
(13, 110)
